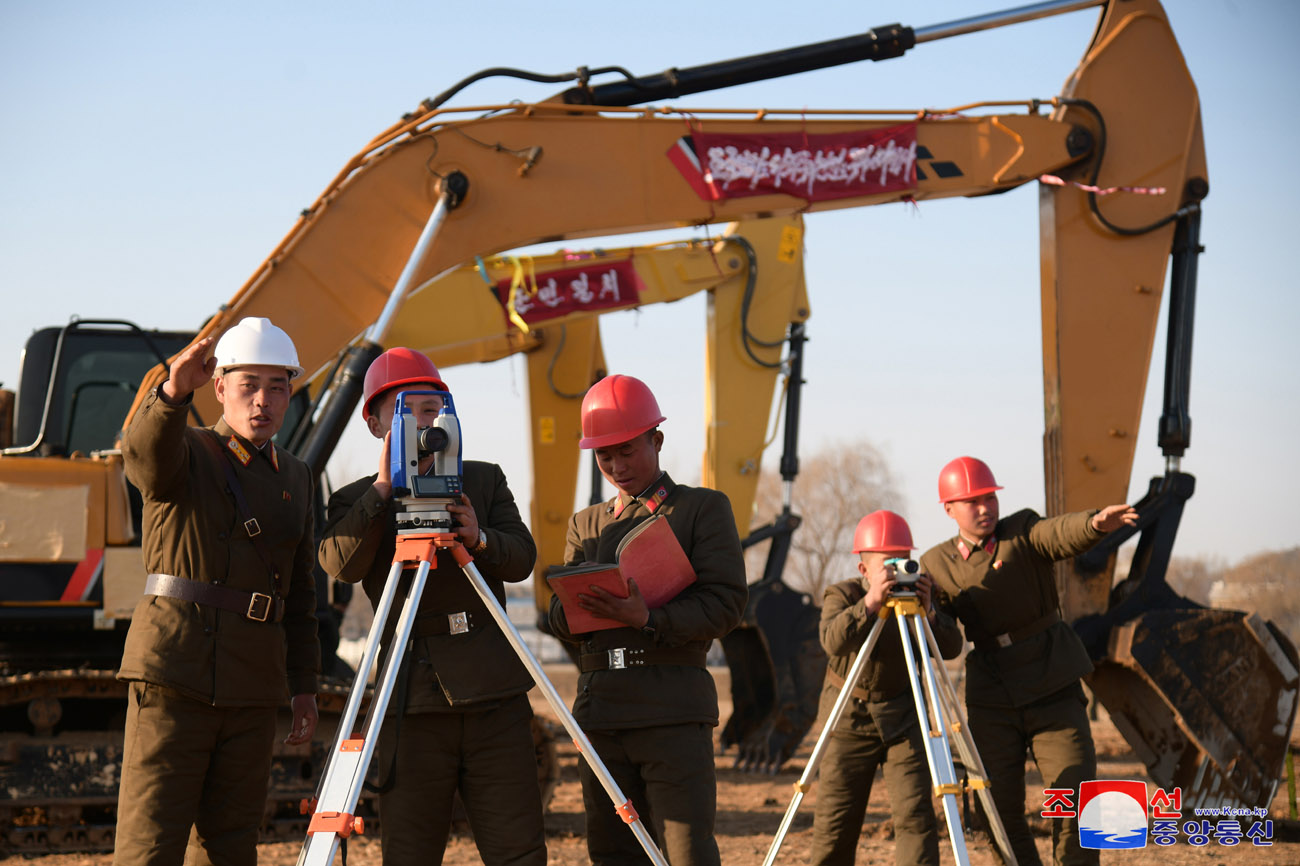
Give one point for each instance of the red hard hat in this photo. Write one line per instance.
(882, 532)
(400, 366)
(966, 478)
(616, 409)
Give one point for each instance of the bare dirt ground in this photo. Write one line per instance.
(750, 809)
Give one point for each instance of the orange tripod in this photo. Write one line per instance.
(333, 810)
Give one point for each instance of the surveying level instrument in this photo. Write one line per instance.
(424, 527)
(936, 702)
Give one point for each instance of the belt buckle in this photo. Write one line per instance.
(1003, 640)
(617, 659)
(251, 527)
(265, 601)
(457, 623)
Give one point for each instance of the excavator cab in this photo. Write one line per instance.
(77, 383)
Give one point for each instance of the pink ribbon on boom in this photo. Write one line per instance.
(1139, 190)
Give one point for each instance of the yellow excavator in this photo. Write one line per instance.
(757, 304)
(68, 621)
(447, 184)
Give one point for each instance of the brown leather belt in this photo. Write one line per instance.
(1006, 639)
(620, 658)
(429, 624)
(257, 606)
(870, 696)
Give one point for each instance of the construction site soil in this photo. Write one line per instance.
(750, 808)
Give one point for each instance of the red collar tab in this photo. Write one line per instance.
(274, 457)
(652, 497)
(237, 448)
(964, 549)
(653, 501)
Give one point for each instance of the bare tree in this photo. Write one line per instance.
(835, 488)
(1265, 583)
(1268, 584)
(1194, 577)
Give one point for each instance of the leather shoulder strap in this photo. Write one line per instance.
(246, 514)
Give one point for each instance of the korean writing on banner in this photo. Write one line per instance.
(815, 167)
(549, 295)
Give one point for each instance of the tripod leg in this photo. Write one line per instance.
(942, 772)
(970, 755)
(622, 804)
(340, 788)
(802, 786)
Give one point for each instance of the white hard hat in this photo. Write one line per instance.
(257, 341)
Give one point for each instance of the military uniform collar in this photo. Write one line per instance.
(242, 449)
(965, 549)
(652, 497)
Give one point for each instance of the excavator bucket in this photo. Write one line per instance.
(777, 665)
(1207, 698)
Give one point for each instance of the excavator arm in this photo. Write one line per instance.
(549, 172)
(753, 274)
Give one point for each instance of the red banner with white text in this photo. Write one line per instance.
(815, 167)
(552, 294)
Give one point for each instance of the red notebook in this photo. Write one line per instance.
(650, 554)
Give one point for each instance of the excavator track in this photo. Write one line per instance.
(59, 773)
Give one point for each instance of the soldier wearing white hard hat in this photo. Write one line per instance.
(226, 630)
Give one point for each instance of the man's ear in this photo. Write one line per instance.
(658, 439)
(219, 385)
(375, 426)
(947, 509)
(862, 567)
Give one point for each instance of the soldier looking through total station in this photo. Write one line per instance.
(880, 727)
(460, 719)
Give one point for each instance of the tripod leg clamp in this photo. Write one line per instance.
(337, 822)
(952, 788)
(627, 812)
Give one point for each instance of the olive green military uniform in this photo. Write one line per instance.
(645, 698)
(1022, 677)
(205, 681)
(878, 726)
(466, 719)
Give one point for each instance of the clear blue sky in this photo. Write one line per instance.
(156, 152)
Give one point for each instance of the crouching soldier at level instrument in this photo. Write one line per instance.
(226, 630)
(1022, 678)
(460, 718)
(880, 726)
(645, 698)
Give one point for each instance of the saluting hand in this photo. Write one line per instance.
(1112, 517)
(304, 720)
(191, 369)
(629, 611)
